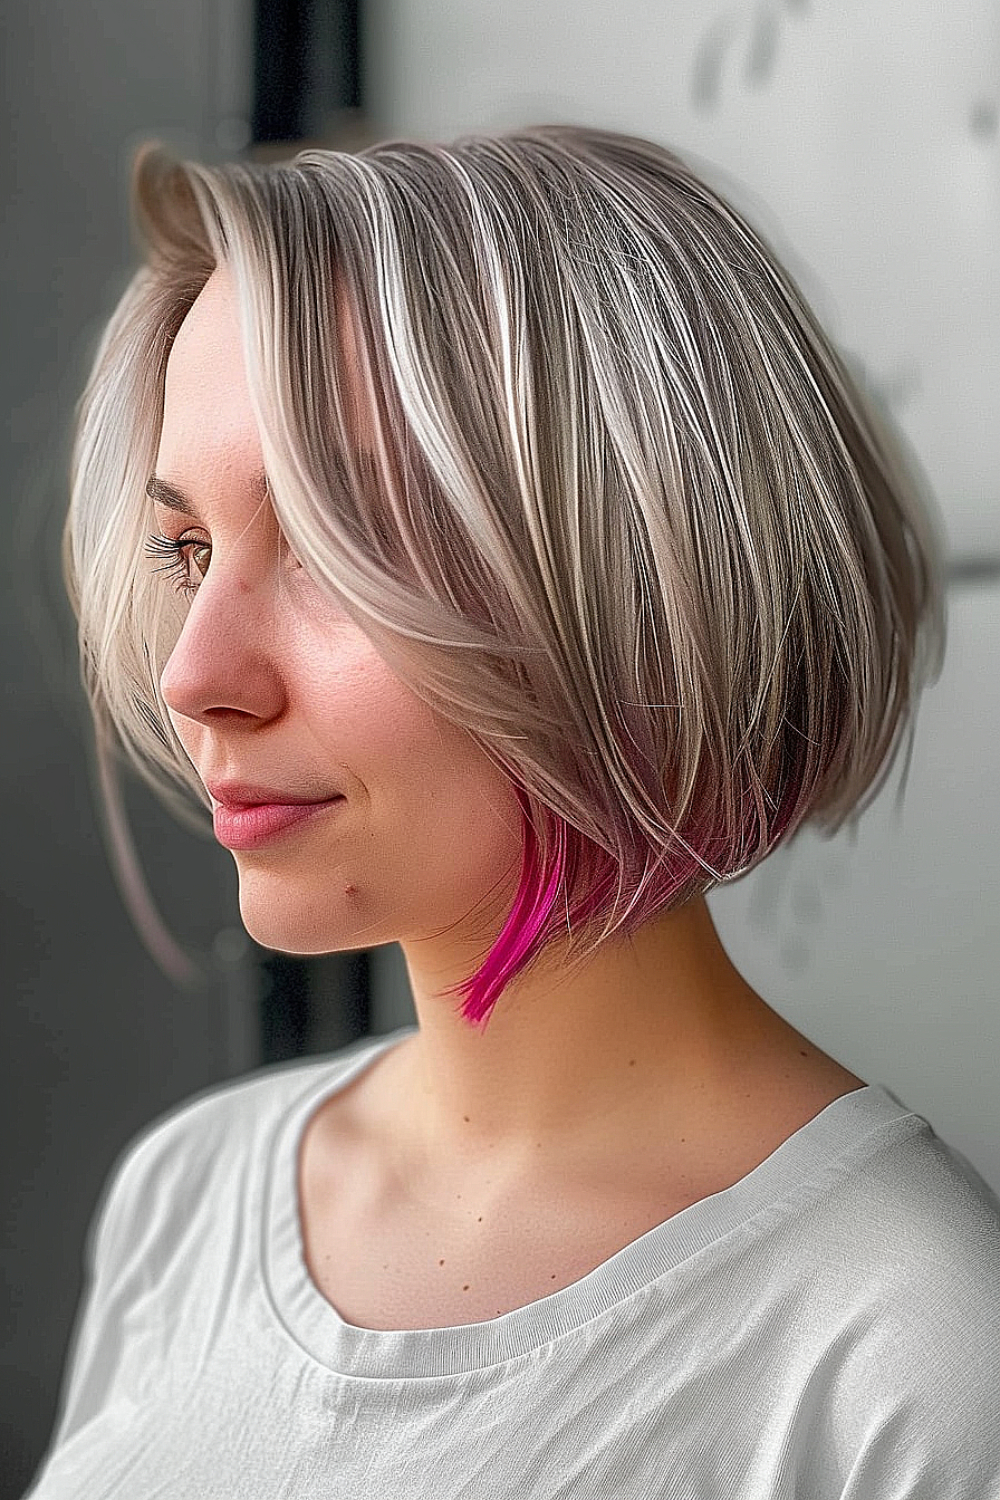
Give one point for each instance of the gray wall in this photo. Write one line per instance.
(94, 1040)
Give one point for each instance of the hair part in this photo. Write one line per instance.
(619, 508)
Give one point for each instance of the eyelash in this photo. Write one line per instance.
(166, 546)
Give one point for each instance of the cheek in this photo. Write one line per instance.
(391, 732)
(433, 774)
(175, 721)
(465, 806)
(186, 732)
(422, 751)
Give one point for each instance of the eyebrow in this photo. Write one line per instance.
(164, 493)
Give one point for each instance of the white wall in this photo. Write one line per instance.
(861, 137)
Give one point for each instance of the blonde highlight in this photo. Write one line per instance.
(619, 508)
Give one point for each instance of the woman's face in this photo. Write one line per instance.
(270, 683)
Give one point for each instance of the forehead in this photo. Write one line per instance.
(207, 415)
(208, 421)
(208, 344)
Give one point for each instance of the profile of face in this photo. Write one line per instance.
(270, 683)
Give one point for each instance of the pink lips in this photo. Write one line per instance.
(246, 827)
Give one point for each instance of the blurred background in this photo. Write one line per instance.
(861, 136)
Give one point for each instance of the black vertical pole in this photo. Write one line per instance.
(284, 1008)
(281, 37)
(307, 65)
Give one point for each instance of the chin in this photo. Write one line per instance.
(303, 927)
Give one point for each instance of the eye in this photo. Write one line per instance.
(165, 546)
(177, 567)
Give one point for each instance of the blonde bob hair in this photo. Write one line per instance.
(621, 511)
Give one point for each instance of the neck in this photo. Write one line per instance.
(574, 1058)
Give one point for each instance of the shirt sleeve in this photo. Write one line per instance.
(925, 1418)
(97, 1340)
(937, 1444)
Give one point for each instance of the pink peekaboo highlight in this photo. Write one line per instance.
(574, 859)
(521, 936)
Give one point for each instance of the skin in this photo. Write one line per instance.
(579, 1068)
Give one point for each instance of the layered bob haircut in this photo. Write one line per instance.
(622, 512)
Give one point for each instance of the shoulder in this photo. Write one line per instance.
(933, 1218)
(912, 1228)
(912, 1268)
(210, 1141)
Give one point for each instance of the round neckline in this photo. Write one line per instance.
(799, 1170)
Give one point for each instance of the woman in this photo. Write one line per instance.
(526, 528)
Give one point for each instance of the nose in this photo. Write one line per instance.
(224, 662)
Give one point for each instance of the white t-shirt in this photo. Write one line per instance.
(827, 1327)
